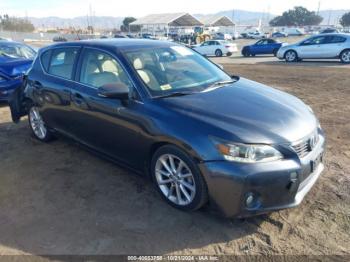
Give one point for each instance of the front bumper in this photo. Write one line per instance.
(280, 53)
(274, 185)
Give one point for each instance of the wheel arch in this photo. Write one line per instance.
(345, 49)
(160, 143)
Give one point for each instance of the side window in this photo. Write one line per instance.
(206, 43)
(62, 62)
(99, 69)
(337, 39)
(45, 60)
(315, 41)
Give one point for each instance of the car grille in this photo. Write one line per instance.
(304, 147)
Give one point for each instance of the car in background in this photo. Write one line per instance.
(15, 60)
(294, 31)
(222, 36)
(262, 47)
(119, 36)
(255, 35)
(329, 31)
(279, 34)
(216, 48)
(200, 135)
(324, 46)
(236, 36)
(59, 39)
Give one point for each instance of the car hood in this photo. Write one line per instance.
(13, 67)
(248, 112)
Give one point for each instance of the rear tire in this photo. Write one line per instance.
(218, 53)
(178, 179)
(275, 52)
(345, 56)
(38, 126)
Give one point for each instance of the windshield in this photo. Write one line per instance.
(16, 51)
(174, 69)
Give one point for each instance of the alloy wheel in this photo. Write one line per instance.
(175, 179)
(291, 56)
(345, 56)
(37, 124)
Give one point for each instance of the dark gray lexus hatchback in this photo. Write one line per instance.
(165, 111)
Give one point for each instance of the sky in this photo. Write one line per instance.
(139, 8)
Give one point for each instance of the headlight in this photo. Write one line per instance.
(249, 153)
(2, 79)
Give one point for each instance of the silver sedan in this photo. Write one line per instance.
(323, 46)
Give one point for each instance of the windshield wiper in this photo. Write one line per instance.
(174, 94)
(219, 84)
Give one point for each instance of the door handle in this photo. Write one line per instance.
(79, 101)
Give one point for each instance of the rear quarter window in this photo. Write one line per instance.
(45, 60)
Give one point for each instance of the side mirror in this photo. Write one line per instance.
(114, 90)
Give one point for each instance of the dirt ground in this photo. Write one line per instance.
(60, 199)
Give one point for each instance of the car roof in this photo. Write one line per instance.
(334, 34)
(119, 43)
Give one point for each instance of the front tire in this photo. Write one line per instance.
(38, 126)
(178, 179)
(218, 53)
(291, 56)
(345, 56)
(245, 53)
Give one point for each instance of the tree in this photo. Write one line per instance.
(15, 24)
(126, 27)
(345, 20)
(299, 16)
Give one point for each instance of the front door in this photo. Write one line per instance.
(108, 125)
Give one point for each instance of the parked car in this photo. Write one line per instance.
(222, 36)
(59, 39)
(15, 60)
(175, 117)
(294, 31)
(324, 46)
(235, 36)
(255, 35)
(279, 34)
(329, 31)
(216, 47)
(262, 47)
(119, 36)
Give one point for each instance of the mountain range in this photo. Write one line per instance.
(108, 22)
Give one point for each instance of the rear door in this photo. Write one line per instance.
(53, 86)
(335, 44)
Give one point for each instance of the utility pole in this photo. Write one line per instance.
(318, 8)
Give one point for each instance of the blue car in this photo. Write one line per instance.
(15, 60)
(262, 47)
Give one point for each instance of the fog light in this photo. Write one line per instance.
(249, 201)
